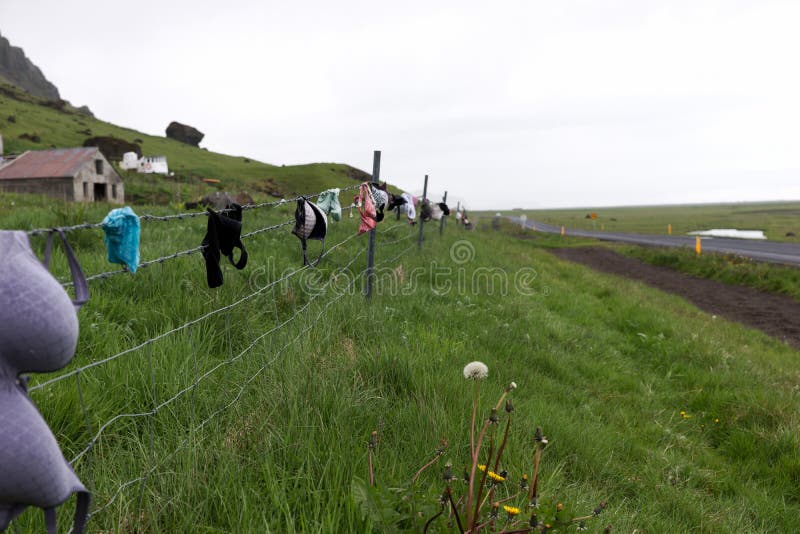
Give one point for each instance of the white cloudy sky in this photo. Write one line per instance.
(508, 103)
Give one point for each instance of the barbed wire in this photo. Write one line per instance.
(187, 252)
(162, 259)
(238, 395)
(394, 242)
(178, 216)
(147, 459)
(208, 373)
(183, 326)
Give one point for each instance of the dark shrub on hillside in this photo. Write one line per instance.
(112, 147)
(31, 137)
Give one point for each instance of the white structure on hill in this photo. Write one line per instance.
(145, 164)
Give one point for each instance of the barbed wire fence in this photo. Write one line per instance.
(149, 400)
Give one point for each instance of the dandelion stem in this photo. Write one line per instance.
(502, 398)
(503, 443)
(473, 455)
(472, 426)
(510, 498)
(477, 448)
(431, 520)
(424, 467)
(371, 474)
(487, 497)
(455, 510)
(479, 527)
(532, 492)
(478, 503)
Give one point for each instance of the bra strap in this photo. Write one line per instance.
(81, 512)
(50, 520)
(78, 278)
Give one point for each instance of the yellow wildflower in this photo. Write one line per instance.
(482, 467)
(497, 478)
(511, 510)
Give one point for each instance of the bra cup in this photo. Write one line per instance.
(38, 323)
(33, 470)
(310, 219)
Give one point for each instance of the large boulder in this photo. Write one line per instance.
(184, 133)
(113, 148)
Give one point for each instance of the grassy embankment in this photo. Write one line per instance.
(22, 114)
(776, 219)
(734, 270)
(604, 366)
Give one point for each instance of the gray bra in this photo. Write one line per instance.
(38, 334)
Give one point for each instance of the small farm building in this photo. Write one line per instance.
(145, 165)
(77, 174)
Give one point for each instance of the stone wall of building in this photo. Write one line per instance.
(60, 188)
(91, 186)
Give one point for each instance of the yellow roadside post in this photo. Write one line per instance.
(669, 229)
(697, 247)
(562, 230)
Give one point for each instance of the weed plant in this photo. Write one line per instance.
(472, 503)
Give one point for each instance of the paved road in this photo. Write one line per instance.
(771, 251)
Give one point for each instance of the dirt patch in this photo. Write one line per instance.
(776, 315)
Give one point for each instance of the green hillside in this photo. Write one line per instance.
(31, 123)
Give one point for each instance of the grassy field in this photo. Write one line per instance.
(22, 114)
(682, 423)
(779, 279)
(776, 219)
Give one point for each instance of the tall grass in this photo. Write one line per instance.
(606, 366)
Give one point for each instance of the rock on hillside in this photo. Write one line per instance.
(20, 71)
(184, 133)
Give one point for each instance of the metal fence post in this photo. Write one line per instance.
(458, 209)
(421, 222)
(441, 223)
(376, 172)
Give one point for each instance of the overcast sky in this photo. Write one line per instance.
(504, 104)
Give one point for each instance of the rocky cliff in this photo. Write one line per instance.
(16, 68)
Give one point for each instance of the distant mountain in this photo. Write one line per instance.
(17, 69)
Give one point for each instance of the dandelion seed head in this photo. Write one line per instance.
(476, 371)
